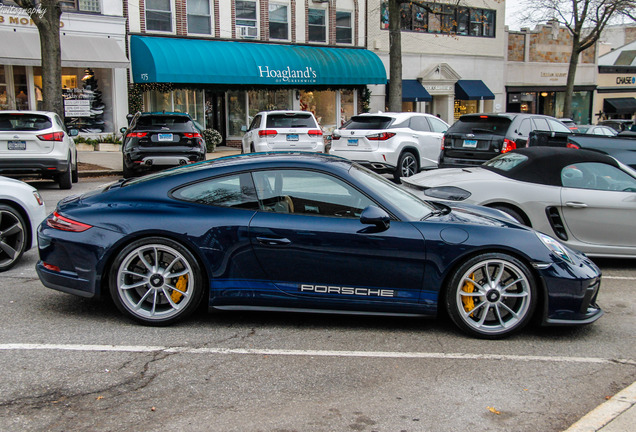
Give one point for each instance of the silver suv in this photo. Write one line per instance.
(283, 130)
(397, 143)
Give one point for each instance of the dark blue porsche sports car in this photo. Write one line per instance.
(308, 232)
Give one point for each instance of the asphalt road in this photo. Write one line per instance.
(75, 364)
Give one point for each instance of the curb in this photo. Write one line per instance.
(607, 412)
(100, 173)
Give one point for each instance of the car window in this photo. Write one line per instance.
(236, 191)
(541, 124)
(558, 127)
(368, 122)
(419, 123)
(525, 128)
(24, 122)
(308, 193)
(256, 123)
(506, 161)
(437, 125)
(173, 123)
(291, 120)
(481, 124)
(597, 176)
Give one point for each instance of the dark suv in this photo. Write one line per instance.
(476, 138)
(159, 140)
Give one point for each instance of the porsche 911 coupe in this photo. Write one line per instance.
(584, 198)
(312, 233)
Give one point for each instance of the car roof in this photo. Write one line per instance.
(284, 112)
(544, 164)
(164, 113)
(510, 116)
(46, 113)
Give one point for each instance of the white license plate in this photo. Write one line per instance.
(16, 145)
(165, 137)
(470, 143)
(292, 137)
(352, 141)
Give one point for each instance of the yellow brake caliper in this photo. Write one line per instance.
(181, 285)
(469, 302)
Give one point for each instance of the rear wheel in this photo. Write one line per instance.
(75, 173)
(407, 166)
(156, 281)
(65, 179)
(512, 212)
(491, 296)
(13, 236)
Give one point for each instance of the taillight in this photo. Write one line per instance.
(136, 134)
(508, 145)
(53, 136)
(572, 145)
(267, 133)
(65, 224)
(50, 267)
(315, 132)
(444, 141)
(38, 198)
(335, 137)
(382, 136)
(192, 135)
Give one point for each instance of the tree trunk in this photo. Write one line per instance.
(395, 57)
(569, 88)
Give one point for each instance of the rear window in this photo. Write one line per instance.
(24, 122)
(290, 121)
(477, 125)
(173, 123)
(505, 162)
(368, 122)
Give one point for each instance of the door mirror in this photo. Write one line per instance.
(73, 132)
(123, 130)
(375, 216)
(243, 128)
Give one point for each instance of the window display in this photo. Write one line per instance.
(323, 105)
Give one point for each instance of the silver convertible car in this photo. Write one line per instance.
(584, 198)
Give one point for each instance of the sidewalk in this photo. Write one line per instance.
(618, 414)
(112, 161)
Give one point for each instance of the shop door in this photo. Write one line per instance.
(215, 112)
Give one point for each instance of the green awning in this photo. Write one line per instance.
(196, 61)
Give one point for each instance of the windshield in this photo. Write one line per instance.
(415, 208)
(506, 161)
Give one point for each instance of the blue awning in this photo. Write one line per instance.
(196, 61)
(472, 90)
(413, 91)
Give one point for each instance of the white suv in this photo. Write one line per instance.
(36, 143)
(398, 143)
(283, 130)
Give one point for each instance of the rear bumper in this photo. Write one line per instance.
(375, 160)
(148, 160)
(36, 166)
(449, 162)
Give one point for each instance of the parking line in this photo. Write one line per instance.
(619, 277)
(311, 353)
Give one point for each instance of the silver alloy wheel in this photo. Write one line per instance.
(408, 167)
(494, 296)
(155, 282)
(12, 237)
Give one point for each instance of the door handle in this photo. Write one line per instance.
(269, 241)
(575, 204)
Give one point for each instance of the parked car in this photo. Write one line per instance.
(308, 232)
(158, 140)
(397, 143)
(584, 198)
(21, 211)
(619, 125)
(476, 138)
(597, 130)
(571, 124)
(36, 144)
(283, 130)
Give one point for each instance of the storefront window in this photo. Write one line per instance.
(21, 88)
(465, 107)
(189, 101)
(237, 115)
(323, 105)
(4, 96)
(159, 101)
(268, 100)
(347, 106)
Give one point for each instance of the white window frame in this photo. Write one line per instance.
(351, 16)
(256, 19)
(210, 16)
(326, 12)
(286, 5)
(173, 18)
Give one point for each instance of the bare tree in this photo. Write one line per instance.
(585, 21)
(46, 17)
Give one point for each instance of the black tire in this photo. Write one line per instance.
(512, 212)
(127, 172)
(407, 166)
(163, 287)
(491, 296)
(13, 236)
(75, 173)
(65, 179)
(252, 149)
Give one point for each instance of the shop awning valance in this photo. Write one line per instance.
(412, 91)
(23, 48)
(626, 105)
(196, 61)
(472, 90)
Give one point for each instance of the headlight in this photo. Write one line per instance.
(555, 247)
(450, 193)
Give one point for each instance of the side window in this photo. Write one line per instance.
(256, 122)
(541, 124)
(597, 176)
(419, 123)
(558, 127)
(235, 191)
(308, 193)
(437, 125)
(525, 128)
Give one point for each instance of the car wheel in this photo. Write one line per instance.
(156, 281)
(491, 296)
(65, 179)
(512, 212)
(252, 149)
(13, 237)
(75, 173)
(406, 167)
(127, 172)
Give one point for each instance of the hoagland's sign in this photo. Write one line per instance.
(289, 75)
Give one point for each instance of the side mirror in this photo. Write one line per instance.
(123, 130)
(243, 128)
(73, 132)
(375, 216)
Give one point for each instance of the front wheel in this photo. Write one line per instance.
(13, 236)
(156, 281)
(406, 167)
(491, 296)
